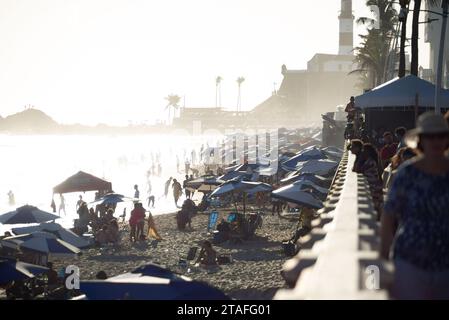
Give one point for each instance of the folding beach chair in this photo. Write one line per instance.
(213, 217)
(232, 217)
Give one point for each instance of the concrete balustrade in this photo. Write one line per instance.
(339, 258)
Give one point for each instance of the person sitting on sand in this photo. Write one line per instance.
(101, 275)
(113, 231)
(224, 231)
(52, 277)
(102, 237)
(208, 256)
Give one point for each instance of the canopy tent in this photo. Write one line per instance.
(401, 92)
(27, 214)
(82, 182)
(56, 229)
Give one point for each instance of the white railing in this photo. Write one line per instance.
(339, 258)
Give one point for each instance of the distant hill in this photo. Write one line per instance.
(29, 120)
(34, 121)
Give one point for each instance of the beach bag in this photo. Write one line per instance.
(289, 248)
(224, 259)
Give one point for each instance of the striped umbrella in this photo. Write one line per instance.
(27, 214)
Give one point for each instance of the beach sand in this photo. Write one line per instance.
(253, 274)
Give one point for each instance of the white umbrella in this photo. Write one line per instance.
(56, 229)
(42, 242)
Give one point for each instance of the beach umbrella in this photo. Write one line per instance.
(42, 242)
(295, 194)
(312, 153)
(318, 180)
(204, 181)
(317, 191)
(12, 270)
(112, 198)
(82, 182)
(319, 167)
(56, 229)
(27, 214)
(135, 286)
(235, 174)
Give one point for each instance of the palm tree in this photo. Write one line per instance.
(173, 102)
(403, 19)
(240, 80)
(373, 55)
(218, 91)
(415, 33)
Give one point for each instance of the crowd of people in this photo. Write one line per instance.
(410, 170)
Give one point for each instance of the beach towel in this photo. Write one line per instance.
(212, 220)
(152, 231)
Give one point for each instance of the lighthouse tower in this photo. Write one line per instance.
(346, 28)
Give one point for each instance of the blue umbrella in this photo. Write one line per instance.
(318, 180)
(295, 194)
(138, 287)
(11, 270)
(27, 214)
(113, 198)
(42, 242)
(304, 155)
(154, 270)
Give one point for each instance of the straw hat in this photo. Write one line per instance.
(428, 123)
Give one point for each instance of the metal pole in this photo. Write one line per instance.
(439, 71)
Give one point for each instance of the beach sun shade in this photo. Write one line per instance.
(153, 270)
(12, 270)
(235, 174)
(56, 229)
(27, 214)
(318, 180)
(236, 185)
(293, 193)
(140, 287)
(204, 181)
(42, 242)
(319, 167)
(312, 153)
(317, 191)
(112, 198)
(82, 182)
(402, 92)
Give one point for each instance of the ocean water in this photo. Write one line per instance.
(31, 166)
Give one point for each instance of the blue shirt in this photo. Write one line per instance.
(420, 202)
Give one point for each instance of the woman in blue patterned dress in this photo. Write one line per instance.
(416, 216)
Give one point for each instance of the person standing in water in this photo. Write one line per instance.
(136, 192)
(61, 204)
(167, 186)
(11, 198)
(177, 191)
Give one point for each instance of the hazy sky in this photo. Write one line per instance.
(93, 61)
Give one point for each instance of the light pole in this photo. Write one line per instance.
(439, 71)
